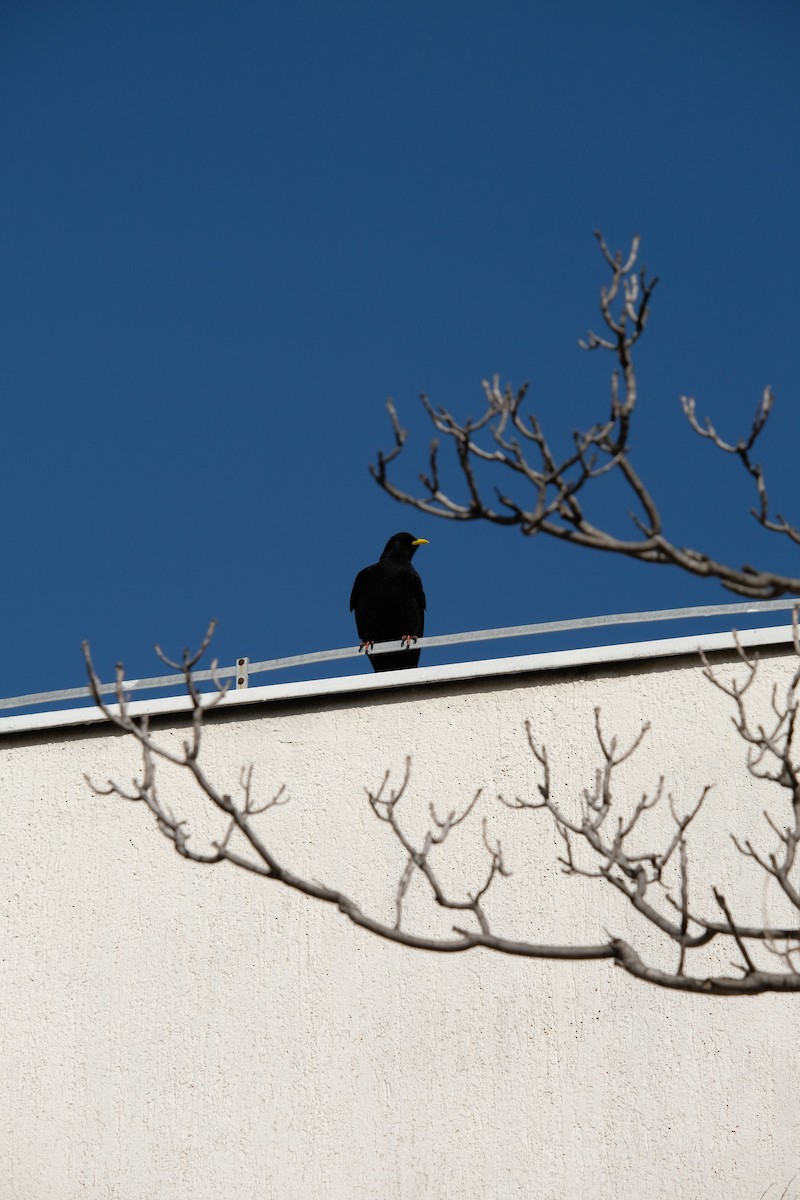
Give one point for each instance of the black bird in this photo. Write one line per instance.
(389, 603)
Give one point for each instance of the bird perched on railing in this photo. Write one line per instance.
(389, 604)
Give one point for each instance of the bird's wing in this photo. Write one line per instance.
(360, 587)
(363, 601)
(418, 594)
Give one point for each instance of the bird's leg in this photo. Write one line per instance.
(406, 641)
(365, 645)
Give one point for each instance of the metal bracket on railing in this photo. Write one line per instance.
(242, 668)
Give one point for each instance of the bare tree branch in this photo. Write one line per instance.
(503, 443)
(604, 830)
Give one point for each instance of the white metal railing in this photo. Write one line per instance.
(243, 668)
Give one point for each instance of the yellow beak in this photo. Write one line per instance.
(420, 542)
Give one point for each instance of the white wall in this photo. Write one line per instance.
(192, 1033)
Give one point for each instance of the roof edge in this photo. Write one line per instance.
(593, 656)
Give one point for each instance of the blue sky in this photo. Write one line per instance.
(231, 229)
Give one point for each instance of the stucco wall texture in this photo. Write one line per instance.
(196, 1033)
